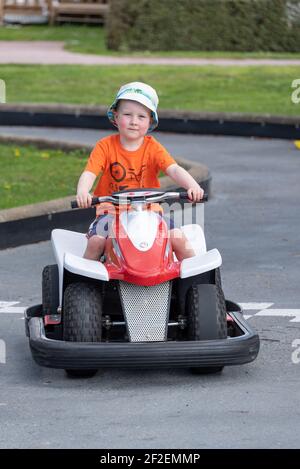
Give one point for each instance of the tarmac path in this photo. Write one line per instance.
(52, 52)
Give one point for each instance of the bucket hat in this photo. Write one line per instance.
(143, 94)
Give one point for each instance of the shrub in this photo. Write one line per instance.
(225, 25)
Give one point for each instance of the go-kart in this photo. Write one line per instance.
(138, 306)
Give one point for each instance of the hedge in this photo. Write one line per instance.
(224, 25)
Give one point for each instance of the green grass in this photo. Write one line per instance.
(29, 175)
(212, 89)
(91, 39)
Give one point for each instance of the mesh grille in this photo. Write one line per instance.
(146, 311)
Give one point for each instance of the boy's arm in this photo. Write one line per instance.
(184, 179)
(85, 183)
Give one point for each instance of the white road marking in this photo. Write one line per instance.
(2, 351)
(8, 307)
(13, 309)
(250, 306)
(292, 313)
(253, 307)
(4, 304)
(265, 310)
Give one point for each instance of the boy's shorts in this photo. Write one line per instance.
(101, 225)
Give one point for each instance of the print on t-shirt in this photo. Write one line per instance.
(137, 176)
(121, 169)
(117, 171)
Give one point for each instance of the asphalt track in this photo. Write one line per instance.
(253, 219)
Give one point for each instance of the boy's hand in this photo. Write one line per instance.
(84, 199)
(195, 193)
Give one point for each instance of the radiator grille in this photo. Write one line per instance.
(146, 311)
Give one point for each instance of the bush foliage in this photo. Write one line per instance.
(224, 25)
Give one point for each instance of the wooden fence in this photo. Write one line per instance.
(89, 11)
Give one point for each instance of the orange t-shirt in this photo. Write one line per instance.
(122, 169)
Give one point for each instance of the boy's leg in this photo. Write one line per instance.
(97, 235)
(95, 247)
(180, 244)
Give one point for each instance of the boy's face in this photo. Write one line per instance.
(133, 119)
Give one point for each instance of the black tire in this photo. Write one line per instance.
(206, 316)
(50, 289)
(221, 306)
(82, 318)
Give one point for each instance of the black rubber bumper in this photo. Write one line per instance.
(80, 355)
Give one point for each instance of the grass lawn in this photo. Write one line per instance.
(30, 175)
(225, 89)
(91, 39)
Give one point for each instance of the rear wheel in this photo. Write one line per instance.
(50, 290)
(206, 316)
(82, 318)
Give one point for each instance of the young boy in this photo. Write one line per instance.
(131, 159)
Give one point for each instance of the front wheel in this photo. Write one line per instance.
(82, 318)
(206, 316)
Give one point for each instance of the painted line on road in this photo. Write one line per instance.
(250, 306)
(13, 309)
(292, 313)
(4, 304)
(253, 307)
(265, 310)
(8, 307)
